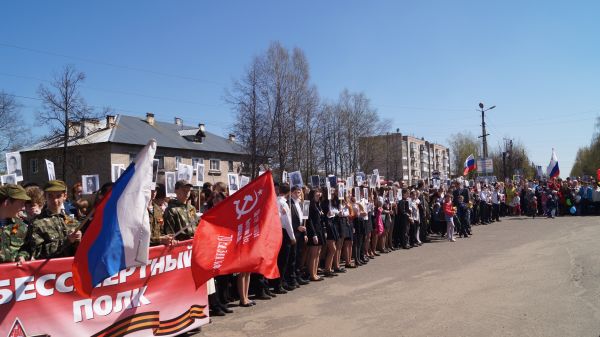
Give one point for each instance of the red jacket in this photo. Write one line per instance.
(449, 208)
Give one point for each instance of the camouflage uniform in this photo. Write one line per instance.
(12, 237)
(48, 236)
(12, 230)
(177, 216)
(156, 224)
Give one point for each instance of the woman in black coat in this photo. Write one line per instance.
(314, 231)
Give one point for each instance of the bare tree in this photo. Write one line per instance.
(62, 105)
(253, 126)
(279, 116)
(14, 133)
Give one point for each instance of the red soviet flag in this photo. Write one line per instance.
(240, 234)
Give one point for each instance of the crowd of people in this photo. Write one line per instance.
(344, 228)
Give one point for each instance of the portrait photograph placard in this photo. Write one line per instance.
(90, 183)
(199, 174)
(373, 181)
(305, 209)
(244, 180)
(50, 170)
(315, 181)
(9, 179)
(350, 182)
(185, 172)
(332, 180)
(284, 177)
(13, 165)
(170, 180)
(357, 193)
(233, 183)
(155, 164)
(341, 192)
(295, 179)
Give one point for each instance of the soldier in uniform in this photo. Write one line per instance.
(180, 219)
(156, 212)
(53, 234)
(12, 229)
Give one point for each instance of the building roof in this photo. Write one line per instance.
(136, 131)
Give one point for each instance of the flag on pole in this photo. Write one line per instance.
(469, 165)
(118, 236)
(553, 171)
(240, 234)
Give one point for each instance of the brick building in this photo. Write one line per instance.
(404, 158)
(96, 144)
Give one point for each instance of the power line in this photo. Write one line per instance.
(120, 92)
(109, 64)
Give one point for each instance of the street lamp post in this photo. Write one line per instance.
(483, 134)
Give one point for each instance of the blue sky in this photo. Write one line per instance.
(424, 64)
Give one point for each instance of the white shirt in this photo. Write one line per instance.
(298, 208)
(285, 214)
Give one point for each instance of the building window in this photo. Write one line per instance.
(33, 166)
(132, 157)
(177, 162)
(215, 165)
(196, 161)
(161, 162)
(230, 166)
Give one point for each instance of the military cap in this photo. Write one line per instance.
(181, 183)
(14, 192)
(55, 186)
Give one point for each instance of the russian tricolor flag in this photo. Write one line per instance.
(469, 165)
(118, 236)
(553, 171)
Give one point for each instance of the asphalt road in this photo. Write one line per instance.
(519, 277)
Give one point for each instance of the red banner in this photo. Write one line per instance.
(240, 234)
(159, 299)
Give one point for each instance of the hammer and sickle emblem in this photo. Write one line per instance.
(244, 209)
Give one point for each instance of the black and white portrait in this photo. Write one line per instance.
(233, 183)
(322, 181)
(357, 193)
(284, 177)
(185, 172)
(244, 180)
(359, 180)
(115, 170)
(350, 182)
(90, 183)
(170, 184)
(296, 179)
(332, 180)
(155, 164)
(341, 191)
(199, 174)
(13, 165)
(50, 170)
(373, 181)
(9, 179)
(314, 181)
(305, 209)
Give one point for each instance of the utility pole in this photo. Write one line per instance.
(483, 133)
(506, 154)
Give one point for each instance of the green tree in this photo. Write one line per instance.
(587, 160)
(461, 146)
